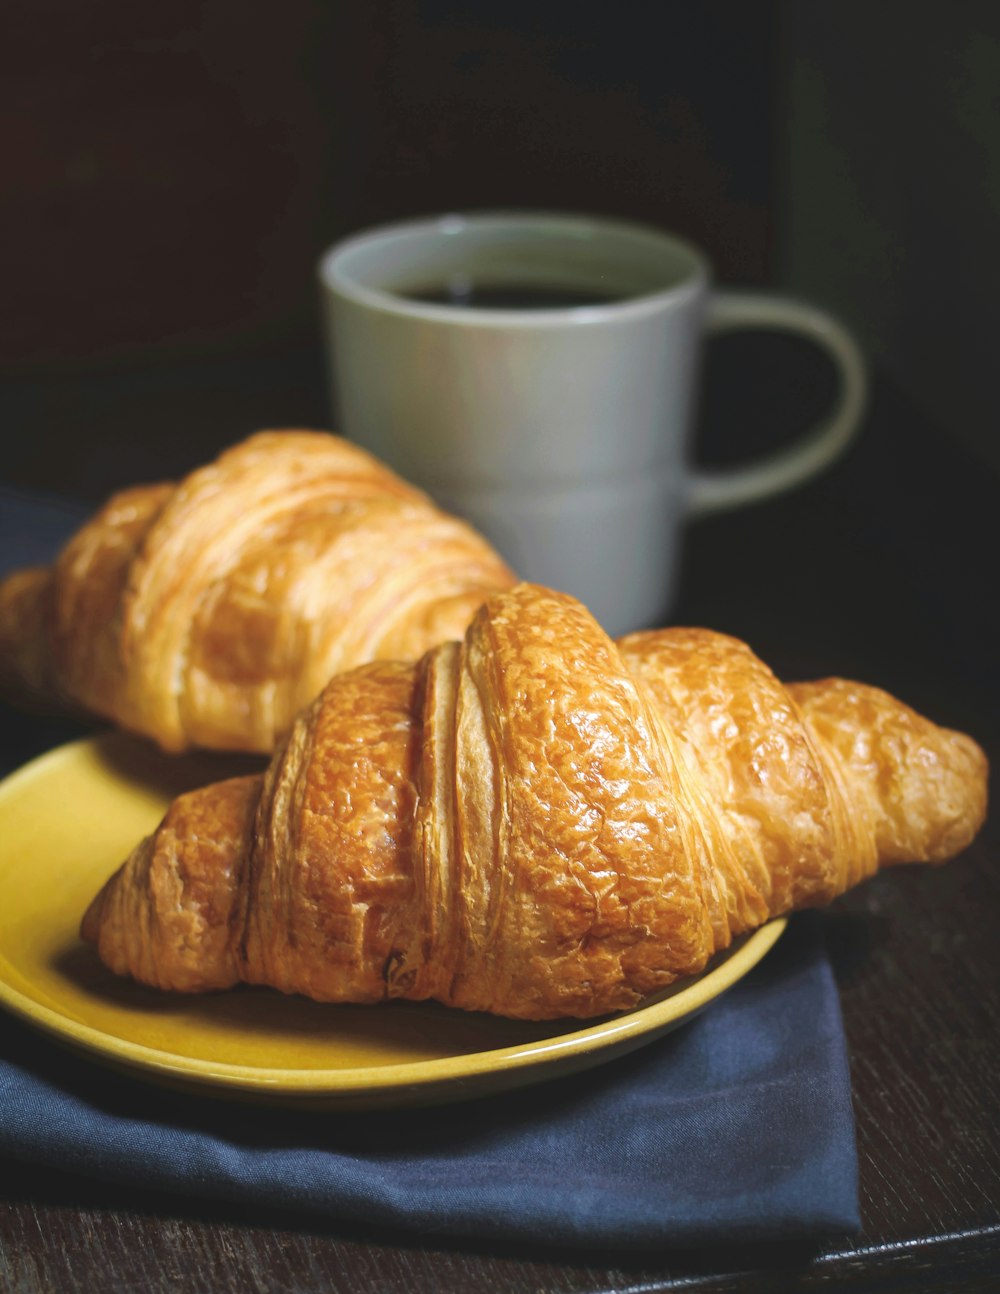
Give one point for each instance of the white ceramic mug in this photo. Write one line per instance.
(560, 430)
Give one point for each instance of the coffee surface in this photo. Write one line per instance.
(509, 296)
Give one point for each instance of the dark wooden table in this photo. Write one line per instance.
(884, 570)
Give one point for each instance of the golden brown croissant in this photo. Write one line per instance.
(210, 612)
(535, 822)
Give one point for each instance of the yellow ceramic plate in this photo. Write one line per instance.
(68, 819)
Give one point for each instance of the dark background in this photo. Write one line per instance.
(171, 173)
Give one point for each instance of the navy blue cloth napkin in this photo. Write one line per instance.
(735, 1128)
(738, 1127)
(33, 526)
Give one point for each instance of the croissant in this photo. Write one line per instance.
(535, 822)
(209, 613)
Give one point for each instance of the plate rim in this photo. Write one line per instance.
(421, 1075)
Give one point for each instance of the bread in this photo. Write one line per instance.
(208, 613)
(535, 822)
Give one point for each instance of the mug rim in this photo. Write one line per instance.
(337, 280)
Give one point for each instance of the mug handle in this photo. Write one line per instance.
(714, 491)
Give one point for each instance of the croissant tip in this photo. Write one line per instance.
(90, 926)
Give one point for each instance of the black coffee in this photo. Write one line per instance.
(509, 296)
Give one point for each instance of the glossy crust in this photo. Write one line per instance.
(210, 612)
(536, 822)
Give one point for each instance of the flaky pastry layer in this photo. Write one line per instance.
(536, 822)
(210, 612)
